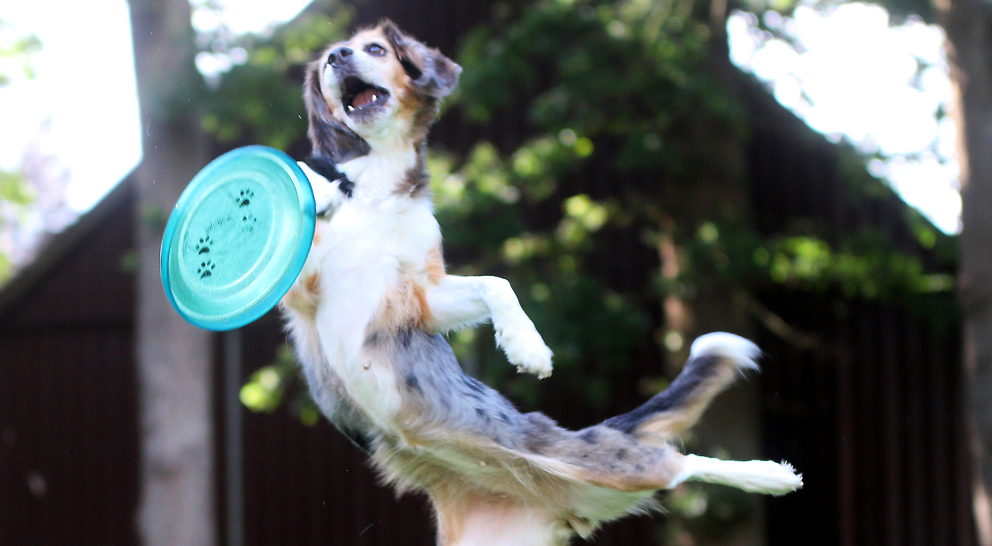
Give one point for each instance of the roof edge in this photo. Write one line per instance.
(57, 249)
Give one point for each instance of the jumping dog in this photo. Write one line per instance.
(367, 315)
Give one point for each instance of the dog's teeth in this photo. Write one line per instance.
(351, 108)
(375, 98)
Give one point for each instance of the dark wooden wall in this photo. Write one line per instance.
(68, 407)
(874, 414)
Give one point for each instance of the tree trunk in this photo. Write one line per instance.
(968, 24)
(173, 357)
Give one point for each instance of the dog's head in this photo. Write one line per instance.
(380, 84)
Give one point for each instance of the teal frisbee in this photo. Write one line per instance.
(237, 238)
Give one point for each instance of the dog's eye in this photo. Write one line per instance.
(375, 50)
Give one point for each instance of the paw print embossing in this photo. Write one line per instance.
(244, 199)
(248, 222)
(203, 247)
(206, 269)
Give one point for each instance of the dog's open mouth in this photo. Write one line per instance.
(360, 97)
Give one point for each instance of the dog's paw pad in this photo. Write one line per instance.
(326, 193)
(206, 269)
(537, 363)
(527, 352)
(203, 247)
(244, 198)
(326, 198)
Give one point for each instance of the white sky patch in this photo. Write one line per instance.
(85, 84)
(245, 16)
(854, 76)
(237, 17)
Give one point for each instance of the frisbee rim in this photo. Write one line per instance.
(271, 292)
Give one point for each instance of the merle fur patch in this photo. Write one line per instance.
(680, 392)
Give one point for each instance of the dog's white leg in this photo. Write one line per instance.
(480, 520)
(511, 526)
(755, 476)
(459, 302)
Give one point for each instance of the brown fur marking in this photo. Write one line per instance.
(304, 295)
(404, 305)
(434, 264)
(416, 182)
(425, 311)
(317, 235)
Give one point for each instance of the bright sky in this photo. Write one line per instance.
(879, 87)
(85, 85)
(851, 80)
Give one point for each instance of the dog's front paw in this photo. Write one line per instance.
(326, 193)
(525, 349)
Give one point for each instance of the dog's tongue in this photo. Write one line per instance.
(363, 98)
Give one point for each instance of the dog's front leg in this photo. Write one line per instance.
(328, 194)
(459, 302)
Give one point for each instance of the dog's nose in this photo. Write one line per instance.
(339, 56)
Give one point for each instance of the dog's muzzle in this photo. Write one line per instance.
(359, 98)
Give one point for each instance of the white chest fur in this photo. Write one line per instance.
(371, 240)
(377, 175)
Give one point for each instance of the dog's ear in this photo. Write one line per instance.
(328, 135)
(430, 71)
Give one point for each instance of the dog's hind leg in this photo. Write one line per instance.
(478, 519)
(766, 477)
(458, 302)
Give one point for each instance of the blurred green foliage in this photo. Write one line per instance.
(706, 513)
(482, 206)
(279, 385)
(865, 266)
(16, 51)
(258, 100)
(627, 75)
(13, 190)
